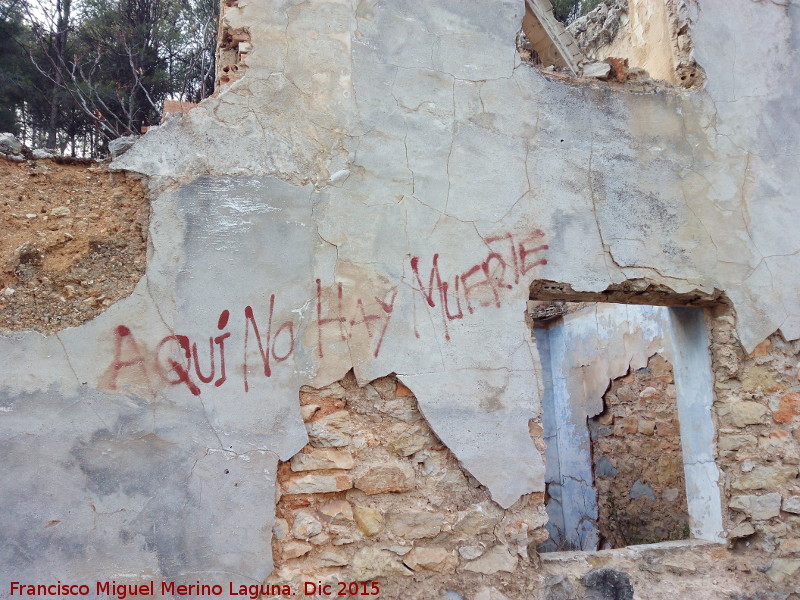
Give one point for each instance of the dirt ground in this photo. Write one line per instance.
(74, 241)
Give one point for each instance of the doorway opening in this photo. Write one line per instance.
(626, 412)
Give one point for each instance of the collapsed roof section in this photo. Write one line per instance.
(549, 38)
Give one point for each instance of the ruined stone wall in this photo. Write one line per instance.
(637, 458)
(758, 407)
(233, 46)
(651, 36)
(375, 495)
(376, 194)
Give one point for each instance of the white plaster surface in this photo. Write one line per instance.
(362, 136)
(694, 385)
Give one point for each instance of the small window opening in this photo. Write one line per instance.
(626, 413)
(645, 43)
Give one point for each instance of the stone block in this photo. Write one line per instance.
(760, 377)
(315, 483)
(630, 425)
(736, 441)
(647, 427)
(401, 409)
(368, 520)
(384, 479)
(598, 70)
(783, 570)
(322, 458)
(294, 549)
(470, 552)
(337, 511)
(763, 477)
(320, 539)
(627, 395)
(641, 490)
(788, 408)
(747, 413)
(496, 559)
(415, 524)
(332, 430)
(790, 546)
(649, 393)
(606, 583)
(478, 519)
(332, 559)
(667, 428)
(435, 559)
(742, 530)
(792, 505)
(604, 468)
(308, 410)
(670, 494)
(306, 526)
(341, 535)
(372, 563)
(407, 439)
(758, 508)
(280, 529)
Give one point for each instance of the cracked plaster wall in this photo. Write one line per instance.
(361, 137)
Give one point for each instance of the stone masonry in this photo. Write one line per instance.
(758, 406)
(638, 464)
(375, 495)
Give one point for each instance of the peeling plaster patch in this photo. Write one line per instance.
(499, 451)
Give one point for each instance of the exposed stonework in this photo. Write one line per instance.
(673, 570)
(405, 513)
(759, 437)
(601, 26)
(642, 39)
(638, 463)
(233, 46)
(175, 107)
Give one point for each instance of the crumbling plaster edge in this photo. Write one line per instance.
(633, 552)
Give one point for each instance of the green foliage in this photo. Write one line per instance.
(80, 72)
(14, 64)
(567, 11)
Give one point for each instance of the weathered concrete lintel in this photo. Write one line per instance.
(554, 32)
(632, 552)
